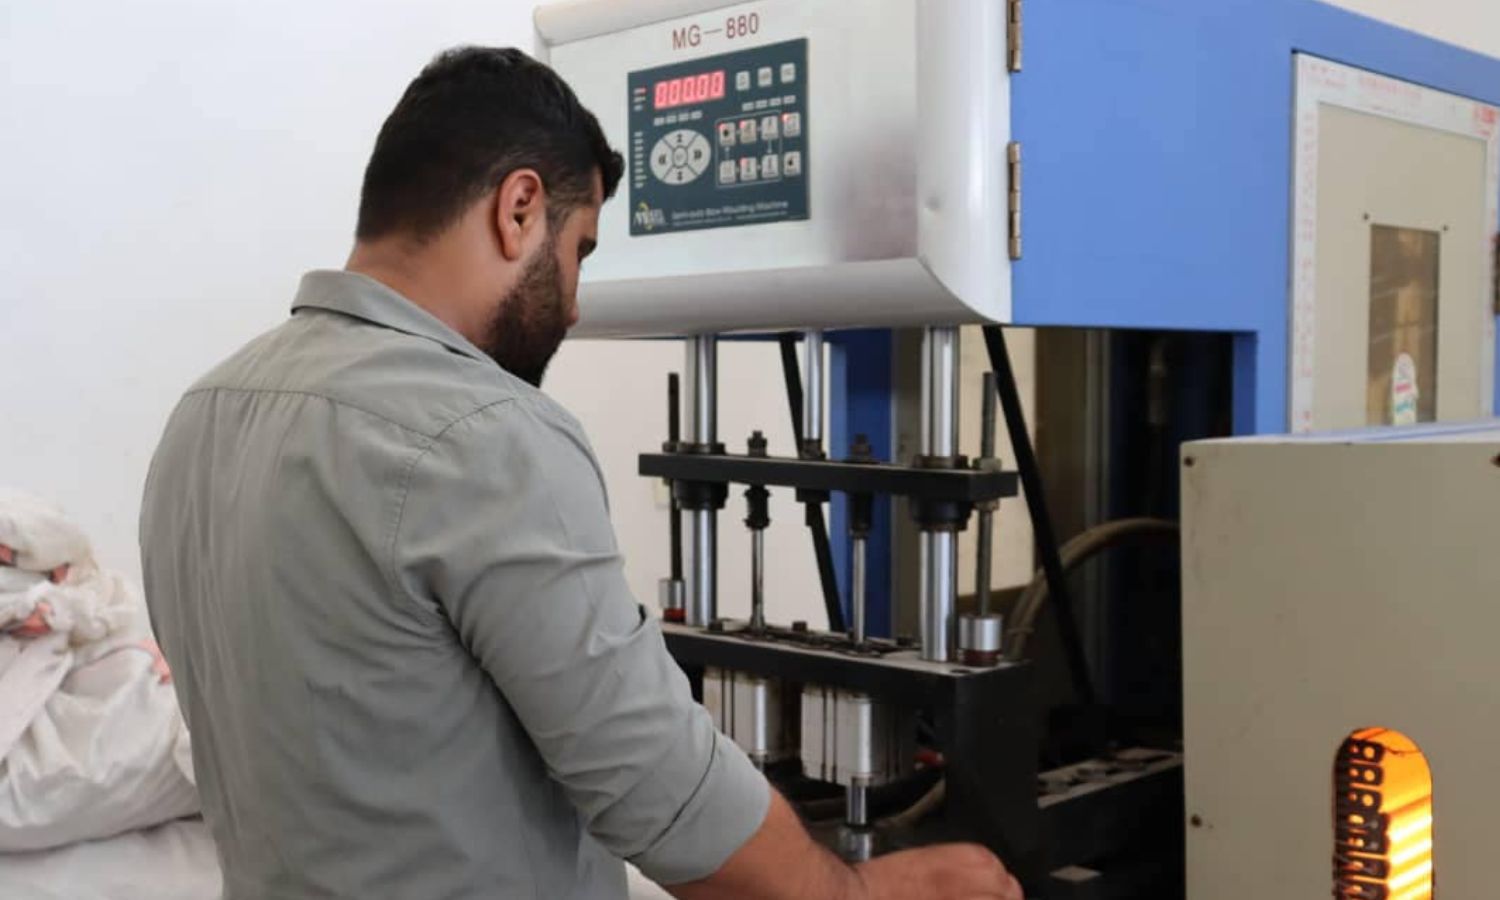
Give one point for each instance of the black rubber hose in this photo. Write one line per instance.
(793, 380)
(1074, 553)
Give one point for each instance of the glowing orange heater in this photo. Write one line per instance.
(1382, 818)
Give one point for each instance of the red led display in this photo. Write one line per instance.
(688, 89)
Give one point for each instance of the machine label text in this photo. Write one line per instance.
(741, 26)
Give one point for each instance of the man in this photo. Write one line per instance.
(381, 565)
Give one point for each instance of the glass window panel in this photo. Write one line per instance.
(1402, 376)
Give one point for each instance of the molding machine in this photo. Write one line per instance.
(1207, 209)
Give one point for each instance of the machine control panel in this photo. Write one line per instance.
(720, 141)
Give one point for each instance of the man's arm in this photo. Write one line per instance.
(504, 532)
(781, 862)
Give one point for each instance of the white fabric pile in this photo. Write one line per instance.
(92, 743)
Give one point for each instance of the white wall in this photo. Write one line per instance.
(169, 169)
(1474, 24)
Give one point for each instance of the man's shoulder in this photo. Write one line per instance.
(408, 380)
(526, 413)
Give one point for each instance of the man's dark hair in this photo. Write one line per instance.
(473, 116)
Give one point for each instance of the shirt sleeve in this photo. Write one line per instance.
(504, 526)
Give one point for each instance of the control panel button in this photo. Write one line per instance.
(791, 163)
(791, 124)
(749, 168)
(727, 172)
(698, 153)
(661, 160)
(680, 156)
(788, 72)
(768, 128)
(747, 131)
(726, 134)
(763, 76)
(770, 166)
(742, 80)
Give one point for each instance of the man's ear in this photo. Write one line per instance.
(520, 213)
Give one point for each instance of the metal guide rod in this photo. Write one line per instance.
(861, 516)
(940, 391)
(857, 805)
(938, 562)
(758, 579)
(938, 550)
(757, 519)
(982, 576)
(703, 427)
(703, 389)
(703, 605)
(812, 393)
(857, 589)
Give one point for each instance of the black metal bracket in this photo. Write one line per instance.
(943, 485)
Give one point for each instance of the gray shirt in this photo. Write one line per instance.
(383, 572)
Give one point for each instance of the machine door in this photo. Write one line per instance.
(1393, 321)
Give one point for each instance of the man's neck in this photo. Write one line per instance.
(421, 276)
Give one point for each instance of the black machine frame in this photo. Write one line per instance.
(1104, 828)
(981, 719)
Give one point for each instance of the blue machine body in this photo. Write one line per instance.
(1157, 190)
(1158, 139)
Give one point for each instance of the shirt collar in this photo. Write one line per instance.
(362, 297)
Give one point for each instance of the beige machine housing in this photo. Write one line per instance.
(1331, 583)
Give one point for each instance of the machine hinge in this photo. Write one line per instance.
(1013, 34)
(1013, 175)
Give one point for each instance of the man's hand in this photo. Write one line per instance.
(781, 862)
(946, 872)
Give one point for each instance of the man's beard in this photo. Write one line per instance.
(530, 322)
